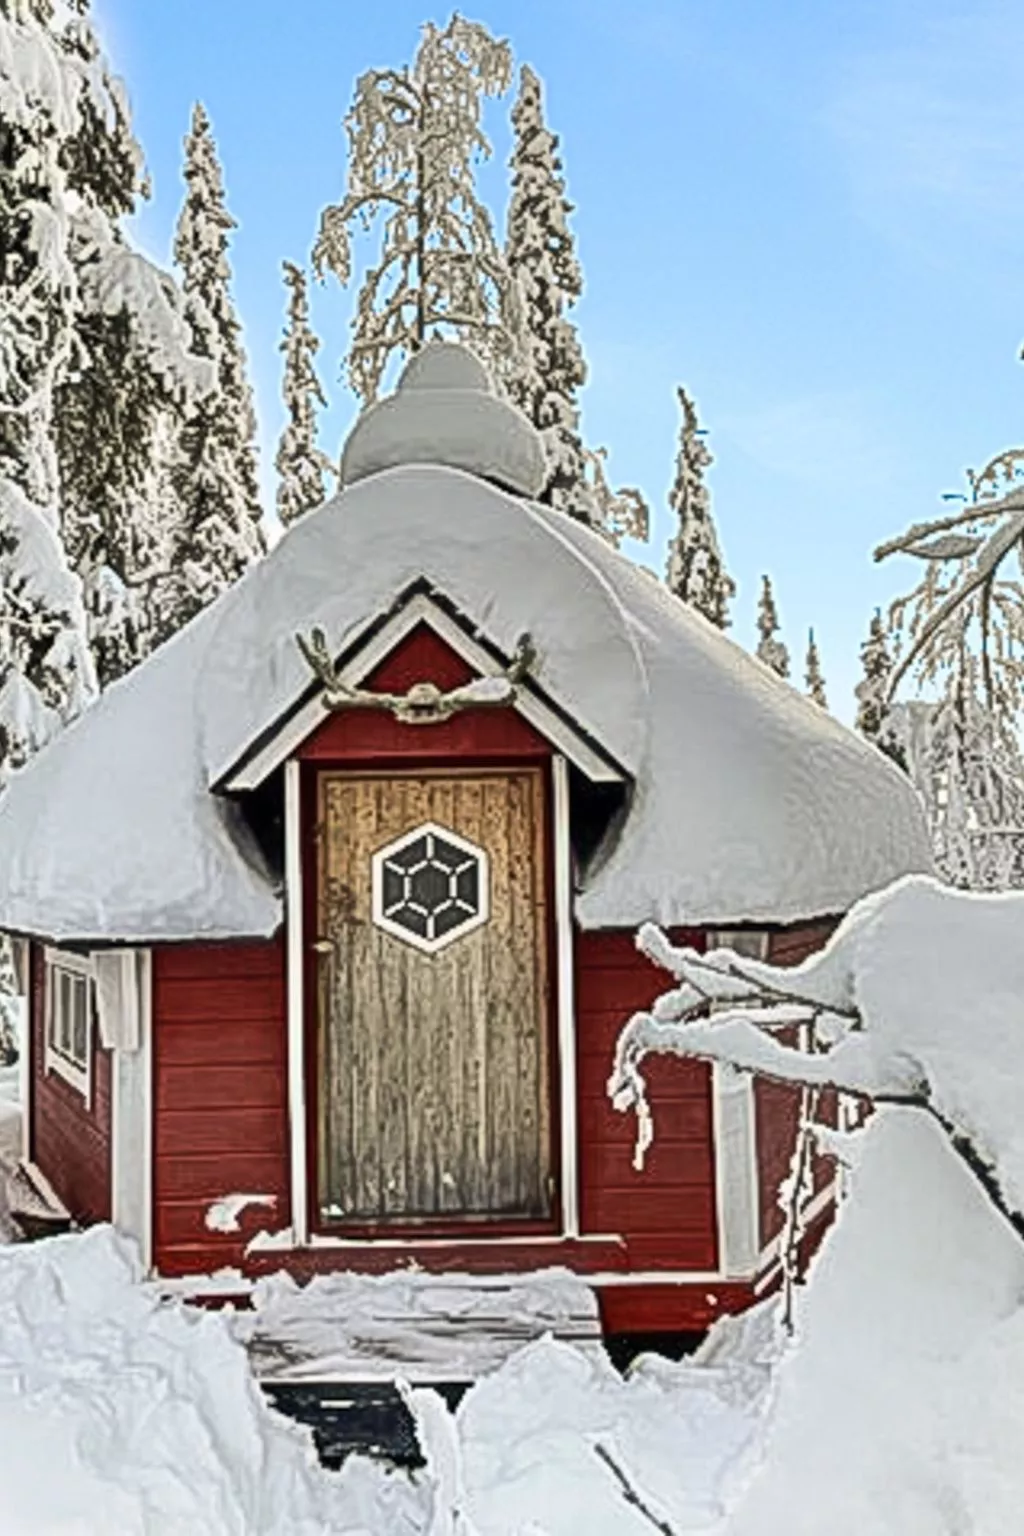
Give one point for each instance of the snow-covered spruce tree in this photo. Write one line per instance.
(85, 324)
(813, 675)
(301, 465)
(872, 691)
(414, 137)
(874, 712)
(770, 648)
(220, 531)
(696, 571)
(116, 421)
(547, 368)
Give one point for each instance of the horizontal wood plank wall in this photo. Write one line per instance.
(220, 1087)
(69, 1140)
(666, 1213)
(777, 1107)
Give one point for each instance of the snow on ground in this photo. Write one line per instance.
(147, 1419)
(422, 1327)
(121, 1415)
(900, 1409)
(684, 1433)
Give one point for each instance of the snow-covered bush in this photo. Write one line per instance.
(897, 1408)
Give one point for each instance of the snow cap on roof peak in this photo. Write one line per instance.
(446, 411)
(445, 365)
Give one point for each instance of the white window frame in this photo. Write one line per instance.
(78, 1074)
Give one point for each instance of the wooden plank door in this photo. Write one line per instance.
(433, 1036)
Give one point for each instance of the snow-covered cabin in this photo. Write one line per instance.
(330, 942)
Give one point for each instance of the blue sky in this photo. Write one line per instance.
(811, 214)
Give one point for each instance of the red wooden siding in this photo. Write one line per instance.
(665, 1214)
(777, 1106)
(69, 1140)
(220, 1096)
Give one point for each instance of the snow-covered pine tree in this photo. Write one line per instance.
(115, 424)
(45, 669)
(770, 648)
(547, 369)
(301, 465)
(871, 692)
(696, 572)
(414, 137)
(814, 677)
(220, 532)
(68, 283)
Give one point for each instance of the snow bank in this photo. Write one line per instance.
(121, 1415)
(682, 1432)
(900, 1411)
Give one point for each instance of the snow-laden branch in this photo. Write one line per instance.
(915, 999)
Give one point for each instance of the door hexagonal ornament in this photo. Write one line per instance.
(430, 887)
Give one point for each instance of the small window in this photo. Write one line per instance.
(751, 943)
(748, 943)
(69, 1017)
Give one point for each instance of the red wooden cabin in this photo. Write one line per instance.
(327, 966)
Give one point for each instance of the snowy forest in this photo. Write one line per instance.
(132, 496)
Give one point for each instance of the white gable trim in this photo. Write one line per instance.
(379, 644)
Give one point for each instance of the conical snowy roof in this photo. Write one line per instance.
(445, 411)
(748, 802)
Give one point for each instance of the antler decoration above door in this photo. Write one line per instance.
(424, 703)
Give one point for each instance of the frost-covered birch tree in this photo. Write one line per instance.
(301, 465)
(696, 570)
(771, 650)
(546, 370)
(813, 675)
(415, 136)
(220, 531)
(959, 634)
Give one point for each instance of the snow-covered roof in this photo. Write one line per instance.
(445, 411)
(748, 801)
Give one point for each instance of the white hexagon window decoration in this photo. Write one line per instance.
(430, 887)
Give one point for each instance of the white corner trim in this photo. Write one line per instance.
(131, 1116)
(27, 1060)
(419, 610)
(736, 1172)
(297, 1128)
(566, 1001)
